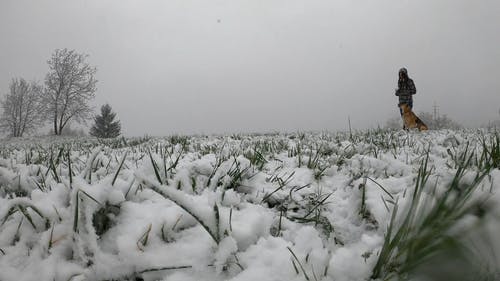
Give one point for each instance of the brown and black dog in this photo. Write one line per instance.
(411, 120)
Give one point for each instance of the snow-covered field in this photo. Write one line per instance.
(252, 207)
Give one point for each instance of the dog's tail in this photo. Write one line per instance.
(421, 125)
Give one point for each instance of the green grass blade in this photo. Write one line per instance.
(119, 168)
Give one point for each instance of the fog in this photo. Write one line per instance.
(184, 66)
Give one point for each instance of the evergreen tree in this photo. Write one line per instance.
(105, 126)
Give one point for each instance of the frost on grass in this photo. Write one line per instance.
(248, 207)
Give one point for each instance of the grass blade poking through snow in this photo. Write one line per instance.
(23, 206)
(27, 215)
(119, 168)
(282, 183)
(87, 172)
(51, 238)
(425, 229)
(217, 222)
(77, 210)
(143, 241)
(155, 168)
(297, 260)
(202, 216)
(70, 171)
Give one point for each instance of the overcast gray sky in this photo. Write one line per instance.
(214, 66)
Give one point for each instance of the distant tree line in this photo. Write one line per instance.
(439, 122)
(64, 97)
(495, 124)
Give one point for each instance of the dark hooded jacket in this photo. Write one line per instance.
(406, 88)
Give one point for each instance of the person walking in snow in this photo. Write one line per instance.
(406, 89)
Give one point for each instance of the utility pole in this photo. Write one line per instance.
(436, 111)
(436, 115)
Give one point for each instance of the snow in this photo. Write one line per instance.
(204, 223)
(349, 263)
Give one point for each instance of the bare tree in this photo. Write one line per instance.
(21, 108)
(69, 86)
